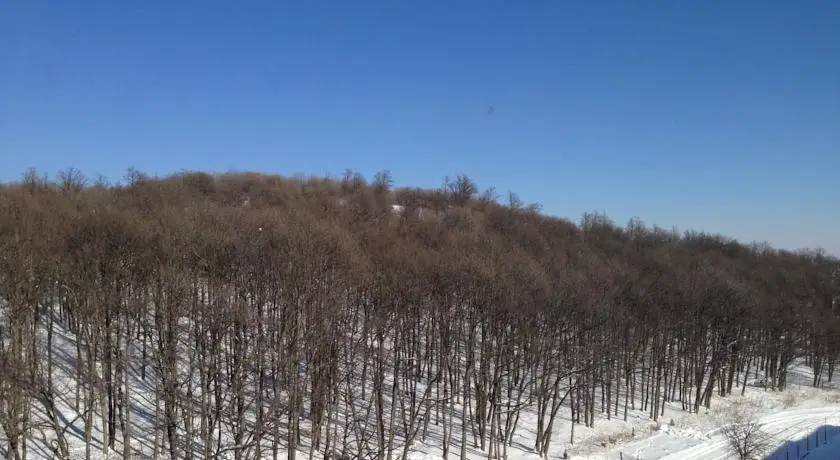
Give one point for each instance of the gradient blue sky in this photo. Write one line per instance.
(721, 116)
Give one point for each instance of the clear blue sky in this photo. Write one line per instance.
(711, 115)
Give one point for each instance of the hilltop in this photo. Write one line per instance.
(254, 316)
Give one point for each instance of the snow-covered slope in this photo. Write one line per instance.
(786, 416)
(785, 428)
(782, 427)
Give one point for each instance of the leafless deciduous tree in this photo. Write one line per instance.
(745, 437)
(258, 316)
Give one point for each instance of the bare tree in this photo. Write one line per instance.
(745, 437)
(316, 319)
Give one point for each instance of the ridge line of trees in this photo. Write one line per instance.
(265, 316)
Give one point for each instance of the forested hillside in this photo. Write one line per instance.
(255, 316)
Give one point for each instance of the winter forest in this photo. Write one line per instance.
(250, 316)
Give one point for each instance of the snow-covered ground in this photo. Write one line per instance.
(799, 413)
(784, 428)
(801, 417)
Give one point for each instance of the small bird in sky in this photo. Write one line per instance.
(491, 110)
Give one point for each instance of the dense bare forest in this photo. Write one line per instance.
(343, 318)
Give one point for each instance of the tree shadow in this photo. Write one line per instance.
(796, 449)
